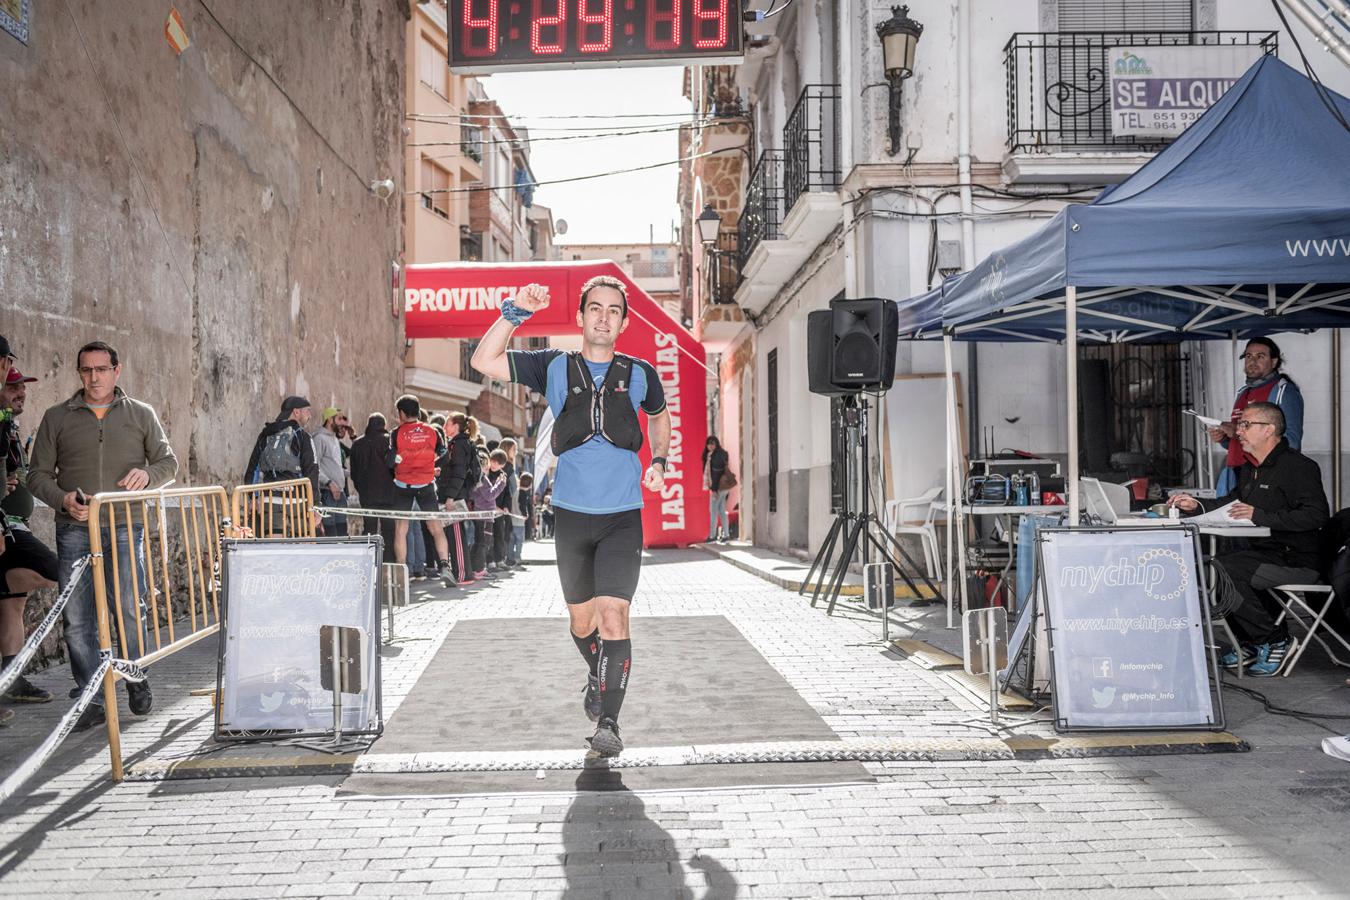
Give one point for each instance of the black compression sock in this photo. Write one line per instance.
(590, 649)
(616, 659)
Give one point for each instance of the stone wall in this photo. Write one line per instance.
(215, 226)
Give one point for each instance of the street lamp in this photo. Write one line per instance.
(899, 36)
(709, 224)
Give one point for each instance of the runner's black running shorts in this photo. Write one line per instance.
(24, 551)
(598, 555)
(423, 495)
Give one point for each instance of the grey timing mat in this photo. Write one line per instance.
(516, 685)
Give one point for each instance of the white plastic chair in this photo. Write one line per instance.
(1296, 602)
(918, 516)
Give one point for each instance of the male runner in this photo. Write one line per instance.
(594, 396)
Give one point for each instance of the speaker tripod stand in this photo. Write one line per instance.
(862, 528)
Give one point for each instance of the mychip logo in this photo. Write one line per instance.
(1161, 573)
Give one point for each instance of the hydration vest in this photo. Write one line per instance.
(415, 446)
(606, 411)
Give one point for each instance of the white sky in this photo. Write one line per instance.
(620, 208)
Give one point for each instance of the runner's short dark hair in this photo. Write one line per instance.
(376, 419)
(409, 405)
(608, 281)
(97, 347)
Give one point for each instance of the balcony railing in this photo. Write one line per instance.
(811, 143)
(725, 266)
(471, 142)
(762, 217)
(1059, 84)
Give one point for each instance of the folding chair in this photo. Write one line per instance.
(1296, 603)
(898, 522)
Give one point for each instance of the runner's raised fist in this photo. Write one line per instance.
(532, 297)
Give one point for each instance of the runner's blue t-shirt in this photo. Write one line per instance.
(596, 477)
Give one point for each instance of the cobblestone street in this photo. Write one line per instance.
(1266, 823)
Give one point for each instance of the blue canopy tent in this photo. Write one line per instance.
(1239, 227)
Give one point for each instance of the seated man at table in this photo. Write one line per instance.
(1281, 489)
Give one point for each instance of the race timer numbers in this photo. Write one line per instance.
(498, 35)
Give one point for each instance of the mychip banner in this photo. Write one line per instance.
(278, 596)
(1127, 628)
(1158, 91)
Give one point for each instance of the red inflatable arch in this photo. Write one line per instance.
(461, 300)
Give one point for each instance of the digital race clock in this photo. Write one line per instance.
(499, 35)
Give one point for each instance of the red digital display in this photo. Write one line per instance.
(495, 35)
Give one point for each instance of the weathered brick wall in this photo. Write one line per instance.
(183, 209)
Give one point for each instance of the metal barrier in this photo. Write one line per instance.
(274, 509)
(141, 559)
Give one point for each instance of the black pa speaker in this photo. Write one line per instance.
(850, 347)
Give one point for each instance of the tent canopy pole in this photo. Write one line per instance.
(1071, 362)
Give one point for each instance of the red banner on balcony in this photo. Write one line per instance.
(461, 300)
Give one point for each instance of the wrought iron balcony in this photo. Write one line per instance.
(762, 217)
(1059, 85)
(811, 143)
(725, 269)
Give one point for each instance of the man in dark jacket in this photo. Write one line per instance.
(455, 485)
(373, 480)
(282, 459)
(1281, 489)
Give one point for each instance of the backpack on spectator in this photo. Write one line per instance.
(473, 473)
(280, 454)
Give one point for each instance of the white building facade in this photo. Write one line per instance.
(1003, 122)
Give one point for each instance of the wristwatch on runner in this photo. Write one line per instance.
(661, 460)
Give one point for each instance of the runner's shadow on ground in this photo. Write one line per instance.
(611, 848)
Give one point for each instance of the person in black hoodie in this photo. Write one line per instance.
(373, 480)
(455, 483)
(278, 456)
(1281, 489)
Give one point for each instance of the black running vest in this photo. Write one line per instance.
(607, 411)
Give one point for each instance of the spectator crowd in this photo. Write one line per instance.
(424, 463)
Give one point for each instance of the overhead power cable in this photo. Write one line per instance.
(534, 184)
(527, 117)
(557, 137)
(440, 119)
(365, 181)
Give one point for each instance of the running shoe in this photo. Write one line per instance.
(1270, 658)
(139, 697)
(606, 740)
(24, 691)
(590, 701)
(480, 575)
(1230, 659)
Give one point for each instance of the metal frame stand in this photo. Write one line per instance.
(860, 528)
(336, 744)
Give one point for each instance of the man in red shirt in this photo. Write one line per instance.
(414, 447)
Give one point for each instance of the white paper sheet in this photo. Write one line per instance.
(1219, 516)
(1204, 420)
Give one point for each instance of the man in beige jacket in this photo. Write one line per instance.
(100, 440)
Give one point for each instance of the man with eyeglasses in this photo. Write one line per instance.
(100, 440)
(1261, 362)
(1281, 489)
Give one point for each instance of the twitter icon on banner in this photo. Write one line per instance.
(1102, 697)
